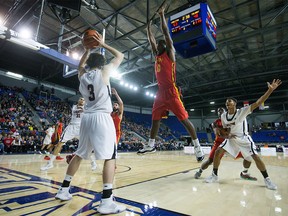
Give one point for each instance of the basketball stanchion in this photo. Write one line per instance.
(102, 50)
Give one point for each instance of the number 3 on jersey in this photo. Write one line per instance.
(90, 88)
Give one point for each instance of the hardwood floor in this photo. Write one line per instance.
(157, 184)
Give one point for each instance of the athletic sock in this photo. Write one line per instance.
(196, 142)
(151, 143)
(245, 170)
(67, 180)
(215, 171)
(265, 174)
(52, 158)
(107, 191)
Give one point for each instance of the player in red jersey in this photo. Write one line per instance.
(217, 142)
(55, 141)
(117, 114)
(168, 95)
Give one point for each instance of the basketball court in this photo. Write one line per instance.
(157, 184)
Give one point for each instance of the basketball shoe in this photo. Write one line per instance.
(199, 153)
(147, 149)
(269, 184)
(59, 158)
(212, 178)
(47, 166)
(197, 175)
(46, 157)
(247, 176)
(63, 194)
(109, 206)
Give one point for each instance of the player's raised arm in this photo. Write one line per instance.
(168, 40)
(151, 38)
(271, 87)
(82, 63)
(120, 102)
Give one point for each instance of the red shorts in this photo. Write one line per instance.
(214, 148)
(168, 100)
(118, 136)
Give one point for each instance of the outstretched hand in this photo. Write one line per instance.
(274, 84)
(161, 10)
(99, 39)
(113, 91)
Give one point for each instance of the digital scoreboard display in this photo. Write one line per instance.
(192, 27)
(186, 22)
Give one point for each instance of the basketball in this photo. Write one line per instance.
(88, 39)
(223, 132)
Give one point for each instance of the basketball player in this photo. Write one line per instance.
(117, 114)
(55, 140)
(217, 142)
(168, 95)
(97, 130)
(71, 131)
(47, 140)
(239, 140)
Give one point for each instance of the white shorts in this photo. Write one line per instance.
(47, 140)
(245, 145)
(97, 132)
(70, 132)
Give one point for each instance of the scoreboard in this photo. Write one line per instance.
(193, 31)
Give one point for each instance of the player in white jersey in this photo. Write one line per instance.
(239, 140)
(97, 130)
(70, 132)
(47, 140)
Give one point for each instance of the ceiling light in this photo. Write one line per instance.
(192, 109)
(14, 75)
(213, 111)
(212, 102)
(25, 33)
(75, 55)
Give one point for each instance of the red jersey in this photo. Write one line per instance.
(117, 124)
(60, 128)
(165, 71)
(116, 121)
(218, 124)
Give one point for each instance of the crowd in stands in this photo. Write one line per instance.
(19, 134)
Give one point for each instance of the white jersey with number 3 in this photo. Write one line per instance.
(95, 92)
(97, 131)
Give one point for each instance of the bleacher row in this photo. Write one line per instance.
(16, 118)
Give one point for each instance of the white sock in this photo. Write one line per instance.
(151, 142)
(245, 170)
(68, 178)
(107, 186)
(52, 158)
(92, 157)
(196, 142)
